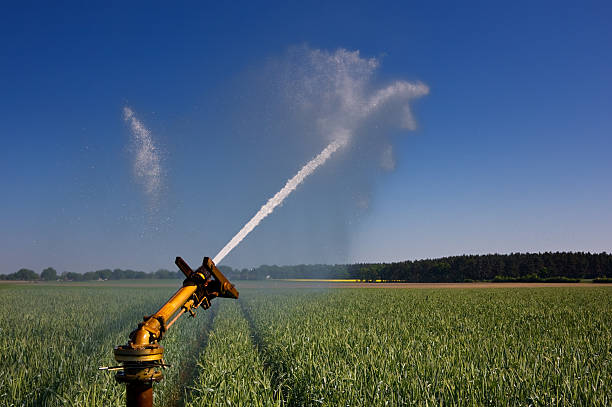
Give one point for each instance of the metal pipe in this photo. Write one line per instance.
(176, 302)
(139, 394)
(152, 329)
(182, 311)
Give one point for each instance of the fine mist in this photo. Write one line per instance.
(146, 160)
(335, 92)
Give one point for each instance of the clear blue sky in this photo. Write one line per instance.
(512, 150)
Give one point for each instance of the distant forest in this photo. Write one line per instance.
(50, 274)
(559, 266)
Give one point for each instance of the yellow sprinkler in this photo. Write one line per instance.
(141, 359)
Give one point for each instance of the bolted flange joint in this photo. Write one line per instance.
(140, 365)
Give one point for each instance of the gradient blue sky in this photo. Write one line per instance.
(512, 150)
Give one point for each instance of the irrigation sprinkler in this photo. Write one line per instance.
(142, 358)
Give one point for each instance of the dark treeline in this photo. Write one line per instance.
(528, 267)
(509, 267)
(50, 274)
(559, 266)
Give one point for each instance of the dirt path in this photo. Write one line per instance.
(345, 284)
(302, 284)
(469, 285)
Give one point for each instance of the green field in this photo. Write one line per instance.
(316, 346)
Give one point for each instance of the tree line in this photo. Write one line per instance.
(548, 266)
(50, 274)
(514, 266)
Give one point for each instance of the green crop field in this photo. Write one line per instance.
(312, 346)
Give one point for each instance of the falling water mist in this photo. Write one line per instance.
(334, 89)
(147, 160)
(280, 196)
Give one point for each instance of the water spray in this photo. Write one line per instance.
(280, 196)
(147, 160)
(337, 87)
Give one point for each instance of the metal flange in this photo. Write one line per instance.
(147, 353)
(140, 365)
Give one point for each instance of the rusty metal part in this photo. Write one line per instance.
(142, 357)
(141, 368)
(227, 289)
(139, 394)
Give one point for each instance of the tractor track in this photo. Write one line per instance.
(188, 369)
(293, 394)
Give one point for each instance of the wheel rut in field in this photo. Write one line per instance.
(294, 392)
(188, 369)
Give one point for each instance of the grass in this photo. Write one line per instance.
(434, 347)
(232, 372)
(313, 347)
(53, 339)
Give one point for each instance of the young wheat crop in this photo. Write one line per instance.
(312, 347)
(369, 347)
(51, 349)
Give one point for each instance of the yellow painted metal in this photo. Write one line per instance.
(128, 354)
(152, 329)
(142, 356)
(177, 316)
(176, 302)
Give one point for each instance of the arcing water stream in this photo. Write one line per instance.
(280, 196)
(338, 87)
